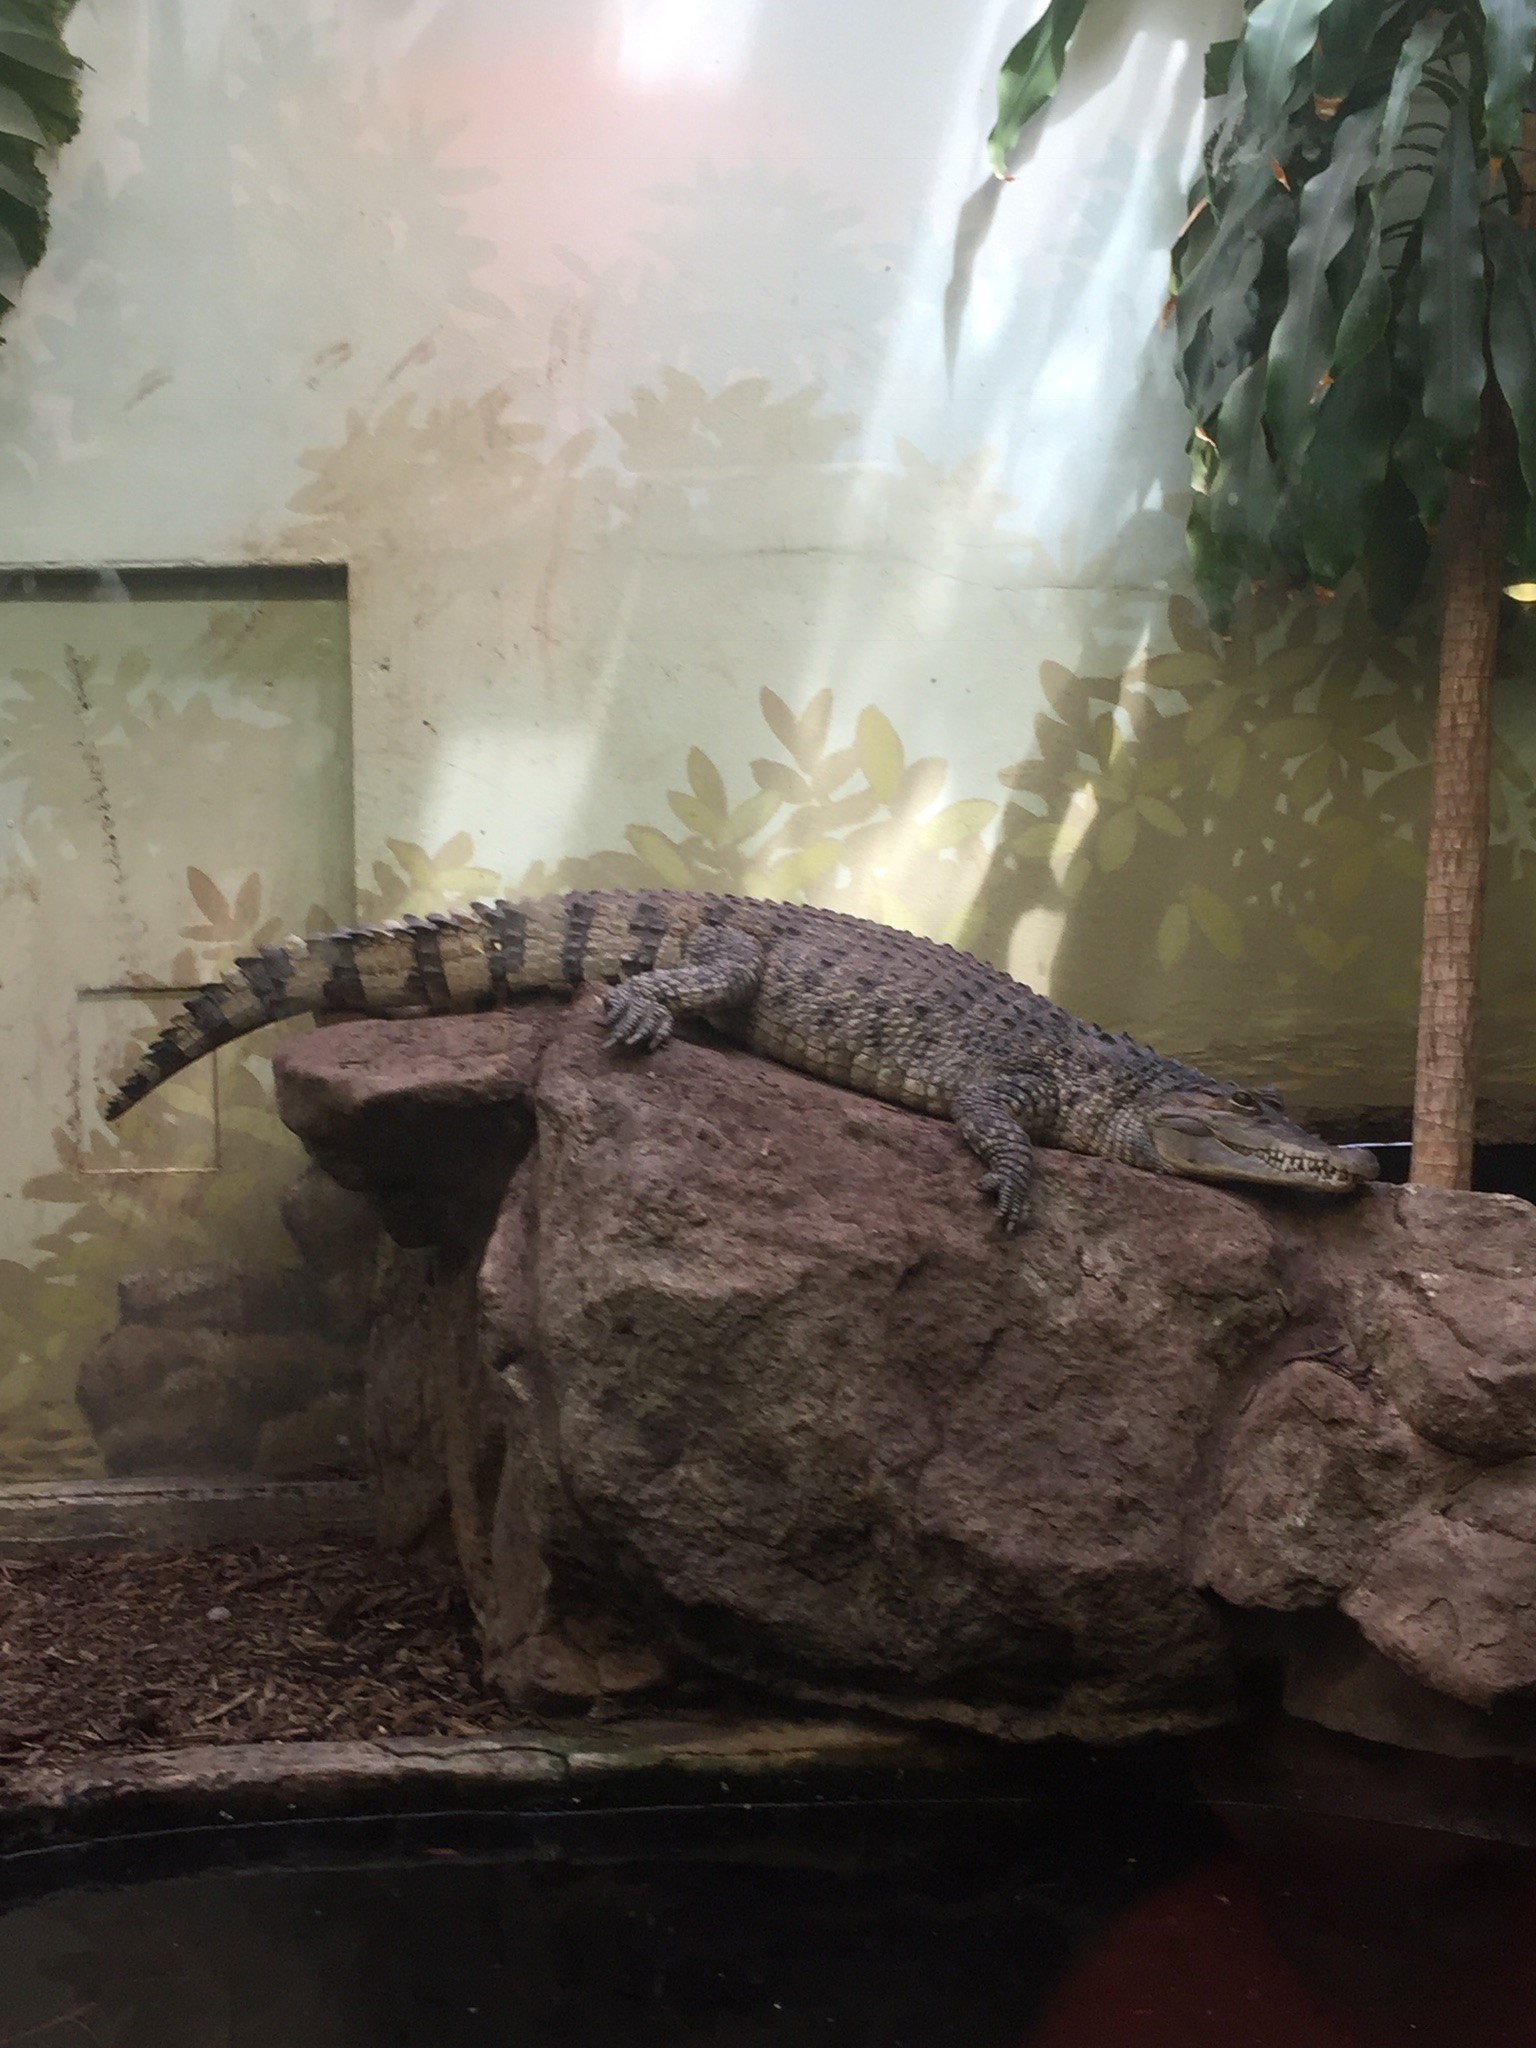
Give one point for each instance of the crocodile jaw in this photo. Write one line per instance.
(1216, 1139)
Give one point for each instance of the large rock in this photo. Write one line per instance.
(693, 1359)
(231, 1368)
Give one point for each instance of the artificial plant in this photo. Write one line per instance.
(1353, 310)
(39, 111)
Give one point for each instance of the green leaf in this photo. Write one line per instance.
(37, 52)
(833, 770)
(922, 784)
(700, 818)
(705, 781)
(803, 869)
(750, 816)
(1244, 493)
(1218, 67)
(39, 109)
(1415, 458)
(958, 822)
(1217, 920)
(1345, 34)
(661, 856)
(1451, 295)
(1225, 339)
(1031, 73)
(1210, 716)
(1217, 574)
(1310, 781)
(1346, 466)
(779, 718)
(1115, 840)
(1512, 343)
(811, 729)
(1326, 951)
(24, 182)
(1509, 54)
(880, 753)
(1288, 737)
(1277, 40)
(782, 780)
(1254, 210)
(18, 116)
(1172, 936)
(1162, 817)
(1229, 759)
(1187, 670)
(13, 267)
(1422, 42)
(1037, 841)
(1363, 323)
(1063, 690)
(1302, 346)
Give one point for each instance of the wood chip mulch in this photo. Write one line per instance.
(321, 1640)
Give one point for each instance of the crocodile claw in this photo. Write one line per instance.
(636, 1021)
(1010, 1189)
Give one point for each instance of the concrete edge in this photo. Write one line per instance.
(52, 1805)
(40, 1517)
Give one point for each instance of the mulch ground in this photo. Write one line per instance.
(323, 1640)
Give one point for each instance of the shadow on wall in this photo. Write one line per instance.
(1216, 845)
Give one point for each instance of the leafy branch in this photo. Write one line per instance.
(39, 113)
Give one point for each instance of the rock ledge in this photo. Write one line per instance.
(696, 1360)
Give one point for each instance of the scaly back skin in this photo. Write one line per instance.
(858, 1004)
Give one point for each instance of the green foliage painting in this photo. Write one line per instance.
(1223, 826)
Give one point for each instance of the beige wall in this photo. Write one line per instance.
(708, 516)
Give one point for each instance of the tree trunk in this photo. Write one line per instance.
(1445, 1085)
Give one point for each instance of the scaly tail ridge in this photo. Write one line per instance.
(441, 964)
(438, 963)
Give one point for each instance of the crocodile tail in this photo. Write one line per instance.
(448, 962)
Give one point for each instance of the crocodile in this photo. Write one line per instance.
(864, 1006)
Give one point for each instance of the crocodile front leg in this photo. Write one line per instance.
(721, 972)
(994, 1118)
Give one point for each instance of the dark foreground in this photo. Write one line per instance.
(1090, 1915)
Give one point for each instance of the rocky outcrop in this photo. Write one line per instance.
(694, 1360)
(232, 1368)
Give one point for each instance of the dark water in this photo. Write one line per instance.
(1496, 1169)
(1108, 1911)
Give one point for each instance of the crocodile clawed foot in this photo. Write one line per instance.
(1010, 1189)
(636, 1021)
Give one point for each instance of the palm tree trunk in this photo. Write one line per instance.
(1445, 1085)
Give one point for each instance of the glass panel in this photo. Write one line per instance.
(175, 789)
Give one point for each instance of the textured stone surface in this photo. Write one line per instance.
(325, 1436)
(337, 1234)
(694, 1359)
(195, 1400)
(255, 1299)
(1450, 1596)
(1317, 1466)
(233, 1368)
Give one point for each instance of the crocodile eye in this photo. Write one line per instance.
(1244, 1098)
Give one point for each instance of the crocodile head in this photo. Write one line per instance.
(1238, 1134)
